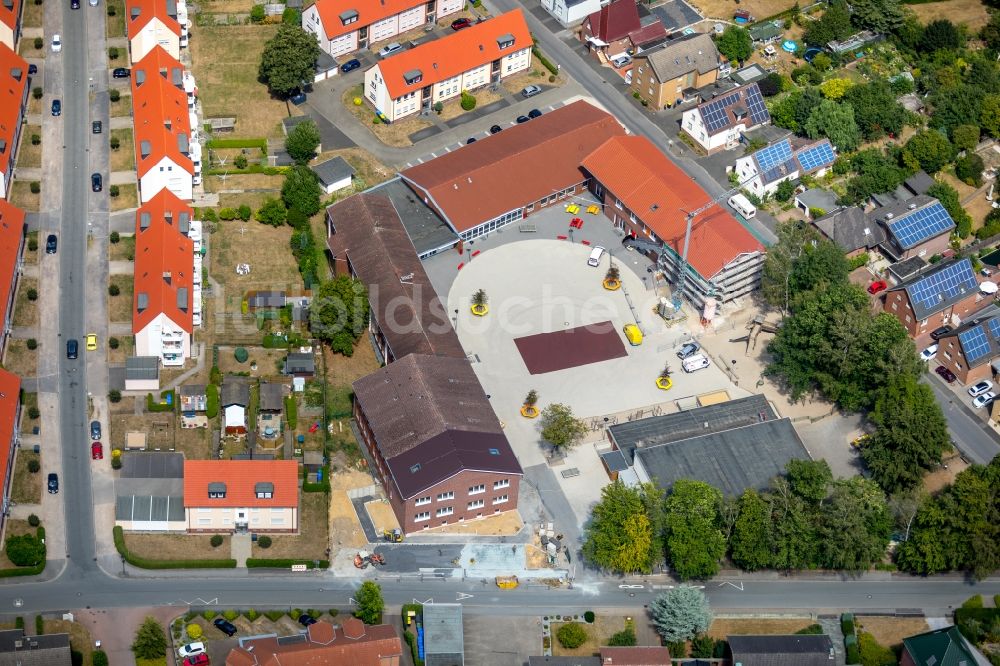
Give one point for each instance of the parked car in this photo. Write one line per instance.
(91, 342)
(74, 4)
(72, 349)
(980, 388)
(96, 182)
(522, 119)
(56, 107)
(96, 451)
(95, 430)
(225, 626)
(982, 400)
(929, 353)
(471, 139)
(97, 127)
(940, 332)
(53, 483)
(51, 244)
(32, 69)
(390, 49)
(93, 3)
(877, 286)
(461, 24)
(695, 363)
(306, 619)
(689, 349)
(534, 113)
(56, 43)
(530, 91)
(298, 98)
(196, 660)
(621, 61)
(191, 649)
(595, 256)
(121, 72)
(350, 65)
(496, 129)
(945, 373)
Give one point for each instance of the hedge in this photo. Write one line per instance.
(418, 608)
(411, 640)
(27, 571)
(144, 563)
(320, 487)
(291, 411)
(211, 401)
(252, 168)
(238, 143)
(259, 563)
(154, 406)
(545, 61)
(974, 622)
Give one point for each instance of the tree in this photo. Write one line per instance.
(257, 14)
(150, 641)
(624, 638)
(370, 603)
(572, 635)
(301, 190)
(771, 85)
(291, 16)
(625, 530)
(468, 102)
(930, 149)
(989, 118)
(735, 43)
(876, 173)
(25, 550)
(288, 60)
(834, 24)
(809, 479)
(835, 88)
(940, 34)
(875, 109)
(835, 122)
(339, 313)
(879, 16)
(855, 526)
(694, 543)
(272, 212)
(793, 530)
(560, 428)
(969, 169)
(910, 437)
(991, 31)
(302, 142)
(245, 213)
(680, 613)
(800, 261)
(786, 189)
(99, 658)
(750, 543)
(965, 137)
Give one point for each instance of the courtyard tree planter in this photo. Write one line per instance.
(612, 279)
(664, 383)
(480, 310)
(480, 303)
(528, 409)
(612, 285)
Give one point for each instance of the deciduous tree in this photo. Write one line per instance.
(940, 34)
(691, 517)
(370, 603)
(855, 526)
(750, 543)
(735, 43)
(681, 613)
(835, 122)
(272, 212)
(625, 529)
(930, 149)
(302, 142)
(560, 427)
(289, 60)
(301, 190)
(150, 641)
(339, 313)
(875, 109)
(879, 16)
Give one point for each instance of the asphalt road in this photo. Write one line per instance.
(971, 435)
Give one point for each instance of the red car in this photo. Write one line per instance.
(197, 660)
(461, 24)
(97, 451)
(945, 373)
(876, 286)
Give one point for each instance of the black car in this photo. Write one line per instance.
(32, 69)
(350, 65)
(51, 243)
(96, 127)
(689, 349)
(534, 113)
(225, 626)
(56, 107)
(471, 139)
(496, 129)
(95, 430)
(72, 349)
(74, 4)
(96, 182)
(305, 619)
(939, 333)
(298, 98)
(522, 119)
(121, 72)
(53, 483)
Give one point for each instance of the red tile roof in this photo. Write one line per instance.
(488, 178)
(13, 88)
(648, 33)
(10, 396)
(241, 477)
(9, 15)
(11, 239)
(455, 54)
(614, 21)
(368, 12)
(658, 192)
(355, 644)
(635, 656)
(164, 265)
(147, 10)
(160, 112)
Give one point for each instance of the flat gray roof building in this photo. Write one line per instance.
(444, 644)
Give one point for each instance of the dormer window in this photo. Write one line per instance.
(349, 17)
(413, 76)
(217, 490)
(264, 490)
(505, 41)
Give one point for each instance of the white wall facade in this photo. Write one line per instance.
(693, 126)
(154, 34)
(166, 174)
(570, 16)
(7, 36)
(379, 31)
(234, 416)
(162, 337)
(152, 525)
(226, 519)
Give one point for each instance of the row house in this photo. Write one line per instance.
(969, 349)
(14, 87)
(156, 23)
(346, 26)
(10, 22)
(350, 641)
(168, 153)
(437, 445)
(12, 234)
(917, 227)
(762, 171)
(10, 419)
(720, 123)
(163, 300)
(645, 195)
(241, 495)
(944, 295)
(666, 76)
(440, 70)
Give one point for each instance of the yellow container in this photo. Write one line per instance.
(632, 334)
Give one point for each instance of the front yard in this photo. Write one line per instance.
(123, 157)
(22, 196)
(394, 134)
(27, 487)
(29, 401)
(121, 108)
(15, 527)
(20, 360)
(314, 533)
(120, 306)
(176, 546)
(128, 197)
(29, 155)
(25, 309)
(123, 250)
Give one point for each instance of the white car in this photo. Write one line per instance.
(390, 49)
(929, 353)
(980, 388)
(695, 363)
(621, 61)
(191, 649)
(595, 256)
(984, 399)
(56, 43)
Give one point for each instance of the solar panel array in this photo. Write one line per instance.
(945, 283)
(974, 343)
(995, 328)
(758, 110)
(920, 225)
(816, 157)
(774, 155)
(714, 112)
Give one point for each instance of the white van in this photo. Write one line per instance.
(695, 363)
(595, 256)
(742, 205)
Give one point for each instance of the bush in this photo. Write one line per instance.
(39, 42)
(113, 53)
(114, 290)
(37, 92)
(812, 629)
(113, 343)
(215, 375)
(678, 649)
(230, 615)
(114, 190)
(872, 653)
(228, 214)
(702, 646)
(115, 238)
(257, 14)
(546, 63)
(624, 638)
(847, 623)
(853, 653)
(99, 658)
(244, 213)
(209, 615)
(438, 107)
(251, 614)
(115, 143)
(589, 617)
(36, 139)
(264, 541)
(969, 169)
(973, 602)
(468, 101)
(274, 616)
(114, 395)
(34, 520)
(194, 631)
(25, 550)
(39, 625)
(114, 95)
(32, 294)
(32, 244)
(211, 401)
(571, 635)
(34, 466)
(35, 186)
(411, 640)
(786, 189)
(19, 622)
(31, 344)
(241, 355)
(216, 540)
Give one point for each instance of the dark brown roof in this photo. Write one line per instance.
(367, 229)
(488, 178)
(635, 656)
(431, 420)
(320, 646)
(794, 650)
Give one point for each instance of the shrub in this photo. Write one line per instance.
(32, 344)
(32, 294)
(969, 169)
(19, 622)
(215, 375)
(872, 653)
(99, 658)
(114, 290)
(39, 42)
(114, 190)
(847, 623)
(786, 189)
(194, 631)
(257, 14)
(115, 238)
(230, 615)
(34, 466)
(251, 614)
(264, 541)
(333, 612)
(32, 244)
(209, 615)
(39, 625)
(114, 95)
(853, 653)
(973, 602)
(35, 186)
(438, 107)
(571, 635)
(546, 63)
(25, 550)
(702, 646)
(811, 629)
(227, 213)
(411, 640)
(114, 395)
(115, 143)
(113, 53)
(36, 139)
(678, 649)
(241, 355)
(216, 540)
(589, 617)
(624, 638)
(33, 520)
(113, 343)
(241, 160)
(245, 213)
(33, 412)
(468, 101)
(37, 92)
(211, 401)
(274, 616)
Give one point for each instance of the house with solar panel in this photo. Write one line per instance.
(720, 123)
(969, 350)
(761, 172)
(944, 295)
(918, 227)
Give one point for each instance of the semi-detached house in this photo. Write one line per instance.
(720, 123)
(944, 295)
(12, 234)
(10, 22)
(345, 26)
(152, 23)
(437, 71)
(241, 495)
(10, 418)
(13, 103)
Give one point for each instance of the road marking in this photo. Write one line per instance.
(429, 601)
(351, 600)
(631, 587)
(434, 155)
(447, 149)
(738, 587)
(463, 595)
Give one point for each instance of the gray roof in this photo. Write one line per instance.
(919, 182)
(332, 171)
(192, 389)
(266, 299)
(142, 367)
(426, 230)
(907, 268)
(730, 460)
(152, 465)
(300, 363)
(272, 396)
(443, 642)
(148, 507)
(892, 217)
(937, 294)
(680, 56)
(851, 229)
(235, 391)
(748, 74)
(18, 649)
(564, 661)
(324, 61)
(615, 460)
(794, 650)
(819, 198)
(761, 32)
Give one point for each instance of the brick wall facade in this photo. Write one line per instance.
(897, 303)
(950, 356)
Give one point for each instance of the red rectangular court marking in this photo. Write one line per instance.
(548, 352)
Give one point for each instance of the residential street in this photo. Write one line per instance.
(976, 440)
